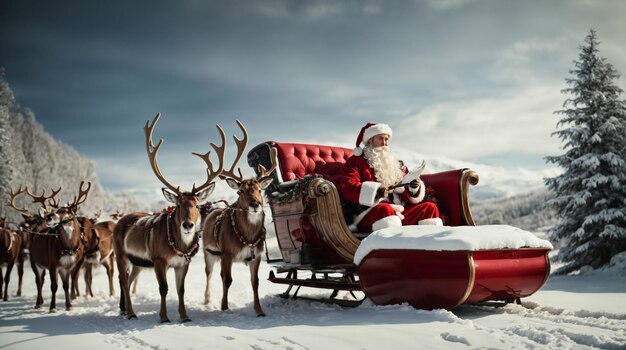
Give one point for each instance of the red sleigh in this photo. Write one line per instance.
(318, 249)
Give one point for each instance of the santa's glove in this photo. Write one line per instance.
(414, 187)
(381, 193)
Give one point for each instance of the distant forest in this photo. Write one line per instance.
(526, 211)
(29, 156)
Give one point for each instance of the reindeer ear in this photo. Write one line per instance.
(266, 181)
(169, 195)
(203, 195)
(233, 184)
(42, 212)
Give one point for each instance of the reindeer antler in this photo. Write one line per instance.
(42, 199)
(212, 174)
(14, 195)
(36, 199)
(152, 154)
(82, 195)
(262, 172)
(241, 146)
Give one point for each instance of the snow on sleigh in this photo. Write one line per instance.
(427, 267)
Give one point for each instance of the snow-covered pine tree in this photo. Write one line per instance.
(590, 195)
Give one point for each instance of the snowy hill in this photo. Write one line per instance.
(495, 182)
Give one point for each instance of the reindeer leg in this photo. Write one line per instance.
(108, 265)
(39, 277)
(88, 279)
(2, 284)
(54, 285)
(134, 275)
(75, 272)
(126, 307)
(227, 279)
(65, 280)
(209, 261)
(181, 272)
(160, 269)
(20, 274)
(7, 278)
(254, 279)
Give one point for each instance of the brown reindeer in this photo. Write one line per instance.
(58, 247)
(237, 233)
(18, 249)
(167, 240)
(11, 244)
(98, 251)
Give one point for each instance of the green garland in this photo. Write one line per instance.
(299, 189)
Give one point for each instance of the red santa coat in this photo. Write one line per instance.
(359, 186)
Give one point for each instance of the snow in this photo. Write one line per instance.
(448, 238)
(570, 312)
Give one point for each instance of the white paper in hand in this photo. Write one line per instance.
(414, 174)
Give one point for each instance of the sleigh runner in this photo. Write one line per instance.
(318, 249)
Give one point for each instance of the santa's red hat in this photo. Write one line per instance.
(368, 131)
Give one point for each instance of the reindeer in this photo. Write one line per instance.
(10, 254)
(98, 250)
(167, 240)
(18, 249)
(237, 233)
(58, 247)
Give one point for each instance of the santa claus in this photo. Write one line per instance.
(365, 186)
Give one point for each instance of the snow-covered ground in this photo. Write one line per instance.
(569, 312)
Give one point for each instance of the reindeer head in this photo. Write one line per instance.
(63, 217)
(117, 215)
(34, 221)
(187, 212)
(249, 190)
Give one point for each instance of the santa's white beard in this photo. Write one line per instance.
(386, 167)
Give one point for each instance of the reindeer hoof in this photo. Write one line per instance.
(53, 310)
(185, 320)
(165, 321)
(131, 317)
(262, 314)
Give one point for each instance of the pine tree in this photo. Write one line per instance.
(590, 195)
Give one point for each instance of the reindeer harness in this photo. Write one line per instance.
(230, 211)
(170, 238)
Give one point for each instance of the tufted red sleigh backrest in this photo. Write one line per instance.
(295, 160)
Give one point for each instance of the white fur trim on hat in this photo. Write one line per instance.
(375, 130)
(357, 151)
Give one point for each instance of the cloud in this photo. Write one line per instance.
(445, 5)
(485, 127)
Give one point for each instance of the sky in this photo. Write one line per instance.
(475, 80)
(568, 312)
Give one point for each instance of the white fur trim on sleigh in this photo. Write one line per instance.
(367, 196)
